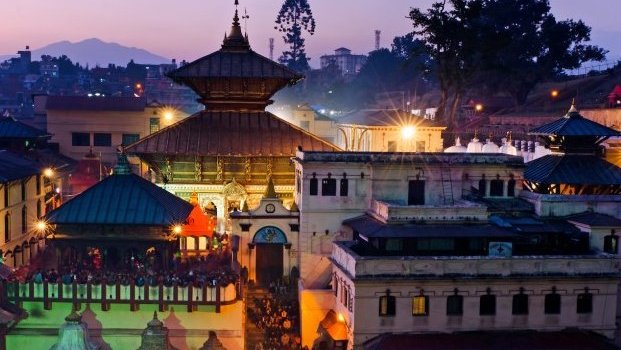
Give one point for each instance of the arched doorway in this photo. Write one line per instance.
(269, 242)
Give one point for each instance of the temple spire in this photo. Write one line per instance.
(573, 111)
(235, 41)
(270, 192)
(122, 164)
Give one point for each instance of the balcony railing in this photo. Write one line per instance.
(117, 293)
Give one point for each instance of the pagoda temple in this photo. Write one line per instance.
(576, 165)
(227, 152)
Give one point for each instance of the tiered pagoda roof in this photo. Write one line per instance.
(235, 85)
(123, 199)
(576, 165)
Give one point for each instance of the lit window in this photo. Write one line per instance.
(387, 305)
(420, 305)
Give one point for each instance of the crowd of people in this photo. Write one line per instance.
(277, 315)
(213, 269)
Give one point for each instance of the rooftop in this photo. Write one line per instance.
(412, 158)
(572, 169)
(15, 167)
(13, 129)
(122, 199)
(595, 219)
(573, 124)
(211, 133)
(85, 103)
(386, 118)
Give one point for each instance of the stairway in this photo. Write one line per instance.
(252, 334)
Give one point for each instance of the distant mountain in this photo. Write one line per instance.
(96, 52)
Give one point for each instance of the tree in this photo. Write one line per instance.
(295, 17)
(498, 45)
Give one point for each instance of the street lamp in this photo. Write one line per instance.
(407, 132)
(554, 93)
(478, 107)
(48, 172)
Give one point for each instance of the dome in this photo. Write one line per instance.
(540, 151)
(474, 146)
(490, 147)
(73, 335)
(457, 148)
(507, 148)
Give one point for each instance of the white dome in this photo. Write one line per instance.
(540, 151)
(474, 146)
(490, 147)
(507, 148)
(457, 148)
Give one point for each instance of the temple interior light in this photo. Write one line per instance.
(341, 318)
(41, 225)
(177, 229)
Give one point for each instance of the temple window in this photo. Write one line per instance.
(102, 139)
(344, 186)
(455, 305)
(496, 188)
(487, 304)
(611, 243)
(520, 303)
(328, 187)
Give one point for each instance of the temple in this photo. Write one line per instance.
(227, 152)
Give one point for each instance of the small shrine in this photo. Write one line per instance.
(73, 334)
(155, 336)
(576, 165)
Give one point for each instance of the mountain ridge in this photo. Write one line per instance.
(96, 52)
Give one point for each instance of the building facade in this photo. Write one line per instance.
(22, 203)
(81, 123)
(348, 64)
(388, 130)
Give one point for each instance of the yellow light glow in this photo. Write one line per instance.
(341, 318)
(177, 229)
(48, 172)
(168, 115)
(478, 107)
(138, 86)
(408, 132)
(41, 226)
(554, 93)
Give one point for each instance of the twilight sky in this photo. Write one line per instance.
(189, 29)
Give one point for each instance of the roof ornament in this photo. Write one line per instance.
(573, 111)
(270, 192)
(122, 164)
(235, 40)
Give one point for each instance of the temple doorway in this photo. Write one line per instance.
(269, 242)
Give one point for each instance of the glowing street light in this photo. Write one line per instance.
(177, 229)
(407, 132)
(41, 226)
(478, 107)
(554, 93)
(48, 172)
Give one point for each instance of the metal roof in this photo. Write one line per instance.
(14, 129)
(595, 219)
(572, 169)
(371, 228)
(221, 133)
(123, 200)
(385, 117)
(573, 124)
(85, 103)
(14, 167)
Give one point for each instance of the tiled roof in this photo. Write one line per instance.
(211, 133)
(85, 103)
(573, 124)
(369, 227)
(13, 167)
(412, 158)
(595, 219)
(13, 129)
(572, 169)
(233, 64)
(123, 200)
(493, 340)
(385, 117)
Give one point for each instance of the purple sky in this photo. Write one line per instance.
(189, 29)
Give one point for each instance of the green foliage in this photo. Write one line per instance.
(499, 46)
(294, 18)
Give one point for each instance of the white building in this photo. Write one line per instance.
(348, 64)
